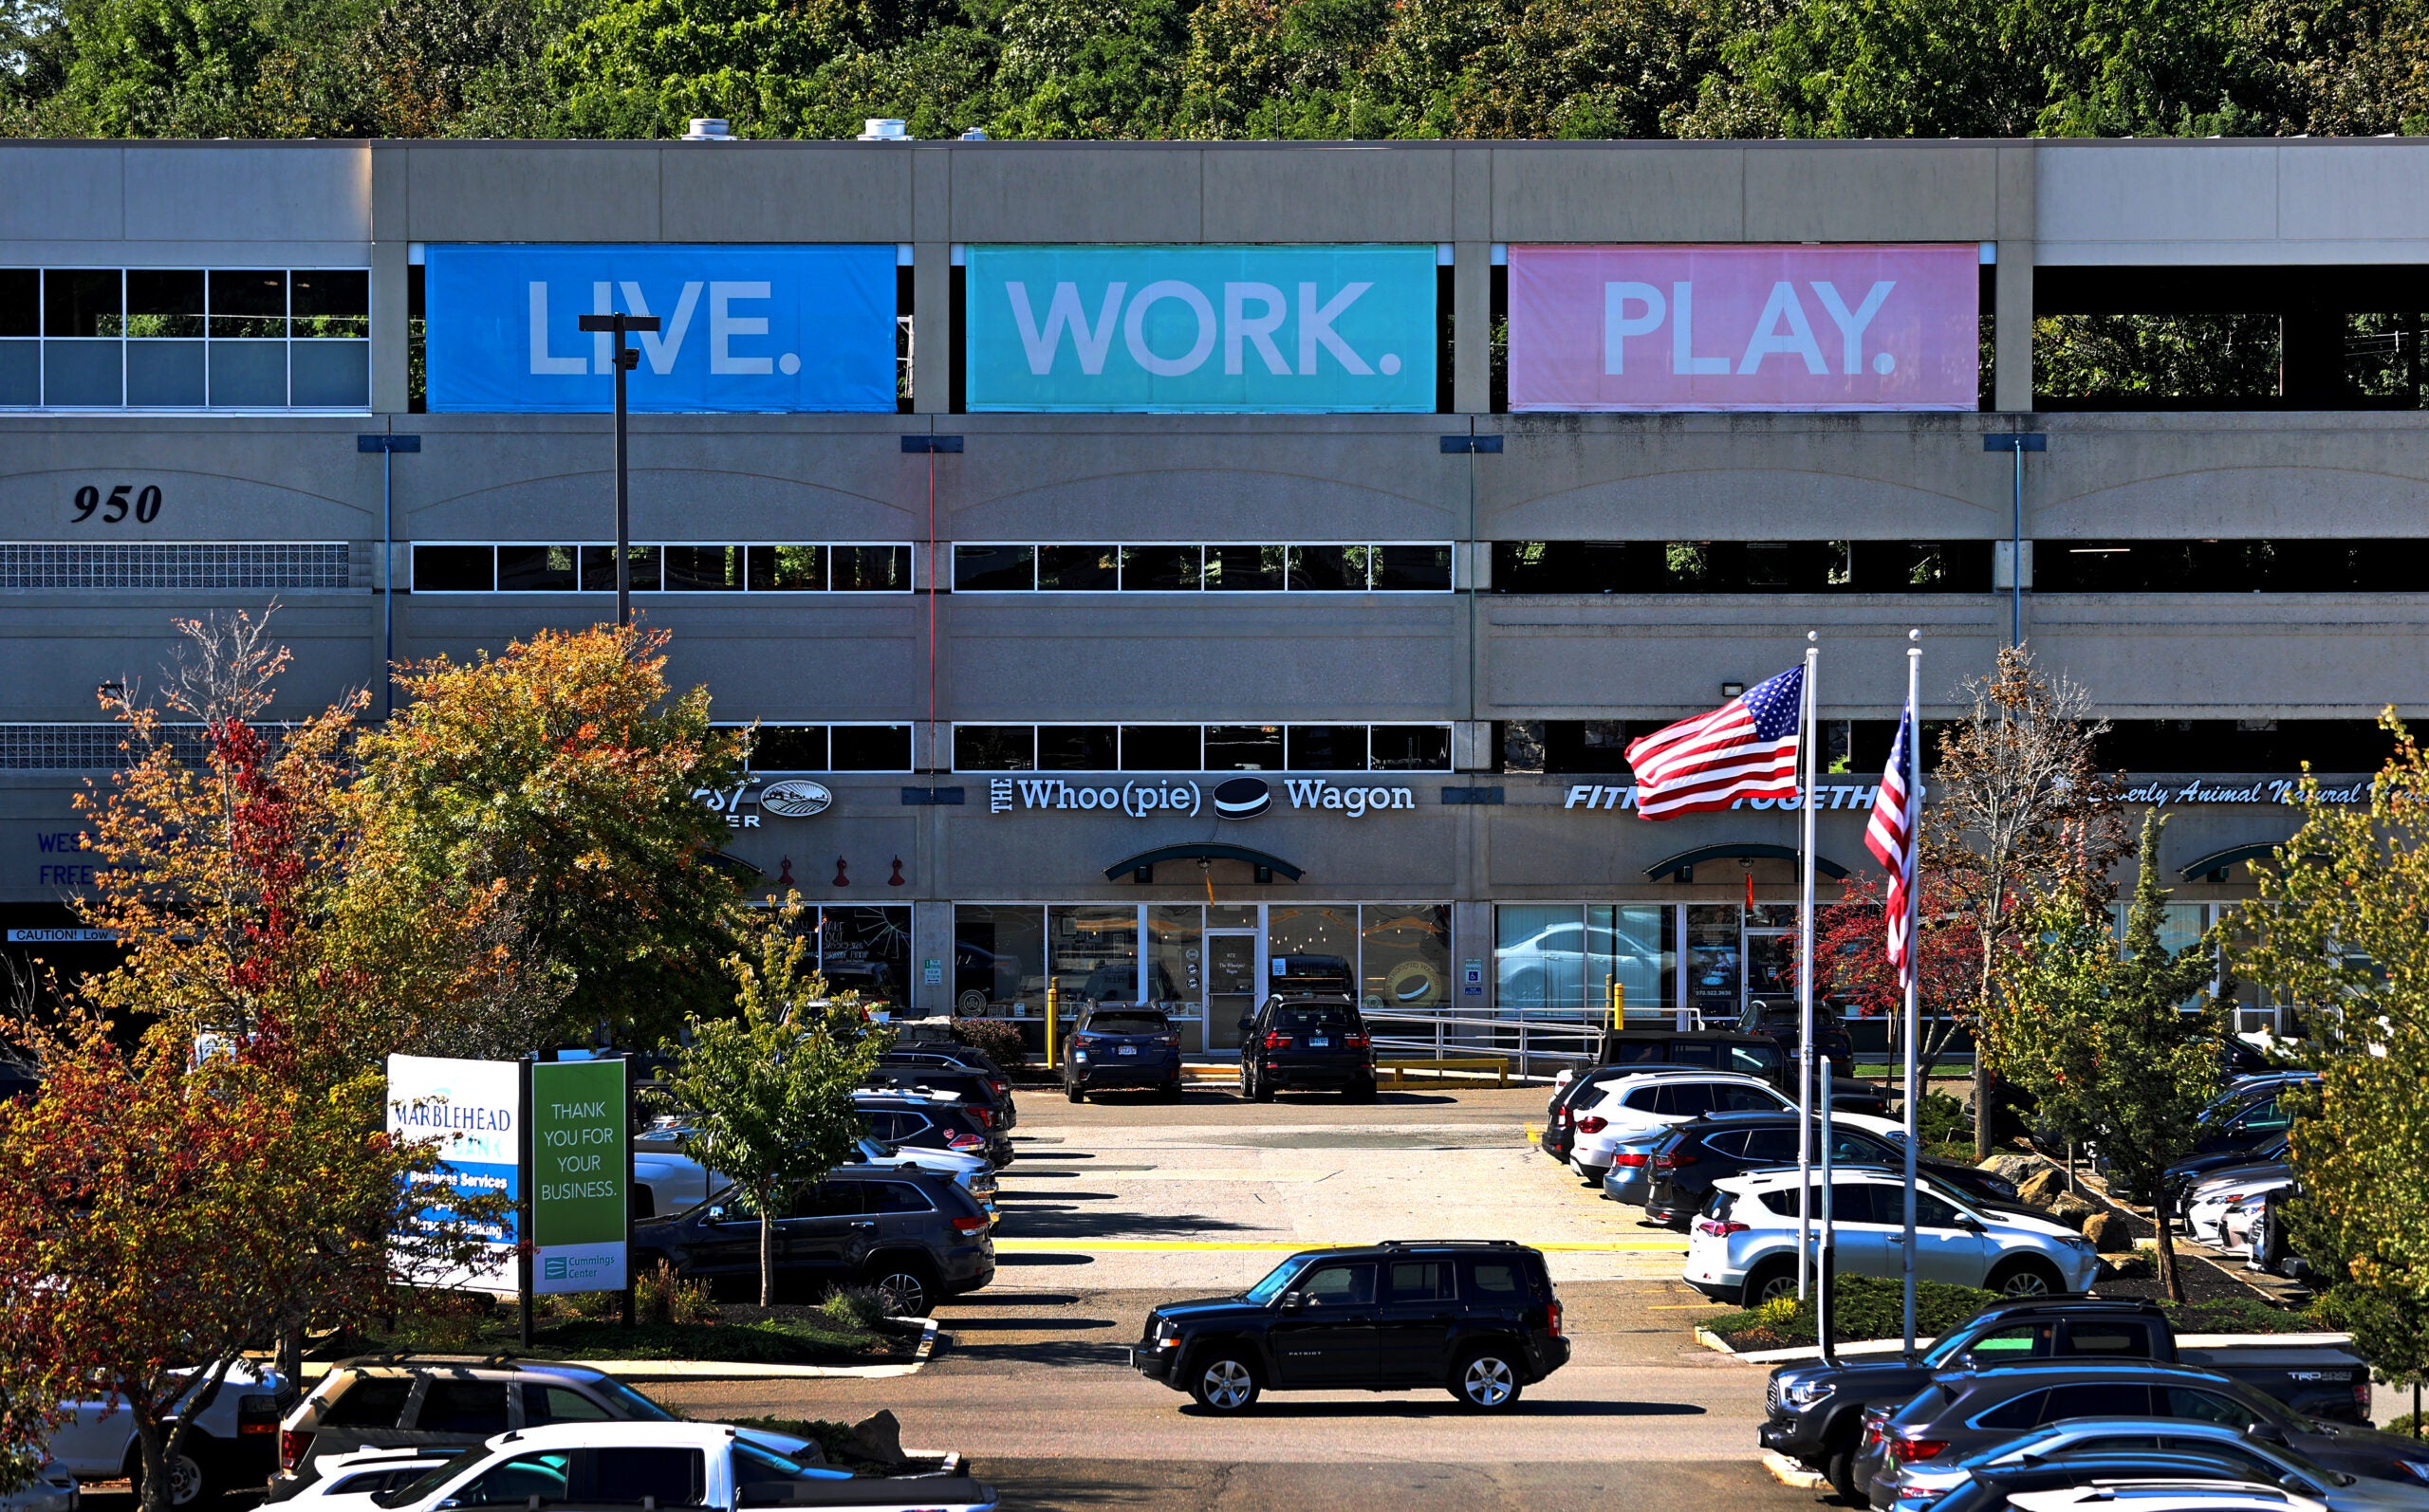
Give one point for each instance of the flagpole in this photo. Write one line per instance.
(1805, 969)
(1914, 775)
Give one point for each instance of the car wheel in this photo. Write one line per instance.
(1224, 1383)
(190, 1486)
(1839, 1469)
(1075, 1091)
(1172, 1090)
(1264, 1090)
(2025, 1278)
(904, 1286)
(1485, 1381)
(1360, 1090)
(1769, 1283)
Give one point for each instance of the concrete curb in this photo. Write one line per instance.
(705, 1370)
(1891, 1346)
(1795, 1473)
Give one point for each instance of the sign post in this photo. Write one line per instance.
(580, 1178)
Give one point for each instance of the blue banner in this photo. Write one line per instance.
(742, 330)
(1173, 329)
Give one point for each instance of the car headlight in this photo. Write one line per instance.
(1802, 1394)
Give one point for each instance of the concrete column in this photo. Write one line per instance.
(1472, 329)
(389, 258)
(2011, 379)
(1471, 940)
(934, 339)
(931, 940)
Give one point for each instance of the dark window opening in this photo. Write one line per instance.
(789, 748)
(1077, 749)
(871, 747)
(2295, 565)
(1159, 747)
(994, 748)
(1243, 747)
(1740, 566)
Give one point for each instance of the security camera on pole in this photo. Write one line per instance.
(627, 359)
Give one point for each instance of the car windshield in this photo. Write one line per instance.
(1312, 1020)
(430, 1480)
(1127, 1023)
(635, 1406)
(1276, 1279)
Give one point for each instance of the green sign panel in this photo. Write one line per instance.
(581, 1176)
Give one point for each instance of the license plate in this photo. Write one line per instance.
(1317, 1041)
(1126, 1049)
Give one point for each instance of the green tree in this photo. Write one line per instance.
(2116, 1040)
(560, 778)
(2343, 929)
(768, 1094)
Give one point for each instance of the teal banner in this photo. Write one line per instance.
(1260, 330)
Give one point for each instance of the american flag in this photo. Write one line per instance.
(1890, 838)
(1744, 748)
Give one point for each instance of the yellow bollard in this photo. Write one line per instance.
(1618, 1004)
(1053, 1011)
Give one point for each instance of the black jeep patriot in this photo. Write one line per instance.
(1476, 1318)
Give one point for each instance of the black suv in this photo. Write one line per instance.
(913, 1236)
(1475, 1318)
(988, 1097)
(1118, 1045)
(1696, 1155)
(1779, 1019)
(1309, 1041)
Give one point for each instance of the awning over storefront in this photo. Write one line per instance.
(2213, 866)
(1142, 866)
(1683, 864)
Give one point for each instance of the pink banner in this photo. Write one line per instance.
(1735, 327)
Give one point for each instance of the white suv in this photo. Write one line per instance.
(1743, 1249)
(1627, 1108)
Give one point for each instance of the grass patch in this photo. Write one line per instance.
(1869, 1307)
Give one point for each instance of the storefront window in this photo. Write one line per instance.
(1637, 945)
(1539, 957)
(867, 951)
(1175, 957)
(1713, 963)
(998, 961)
(1323, 939)
(1095, 953)
(1405, 957)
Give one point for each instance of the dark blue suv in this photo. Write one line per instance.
(1116, 1045)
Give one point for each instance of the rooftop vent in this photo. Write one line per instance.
(874, 129)
(708, 128)
(974, 134)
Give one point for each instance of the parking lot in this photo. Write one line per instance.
(1116, 1205)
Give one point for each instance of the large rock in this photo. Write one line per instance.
(2041, 1188)
(2011, 1165)
(2072, 1210)
(879, 1437)
(2108, 1234)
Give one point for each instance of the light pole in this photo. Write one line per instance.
(626, 359)
(2017, 442)
(387, 445)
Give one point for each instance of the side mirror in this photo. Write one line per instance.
(717, 1214)
(1292, 1301)
(1246, 1025)
(2266, 1432)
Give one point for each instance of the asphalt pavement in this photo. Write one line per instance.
(1116, 1205)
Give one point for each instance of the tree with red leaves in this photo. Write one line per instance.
(1852, 963)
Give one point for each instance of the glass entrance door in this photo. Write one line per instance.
(1233, 965)
(1771, 965)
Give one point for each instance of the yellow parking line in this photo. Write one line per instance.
(1203, 1246)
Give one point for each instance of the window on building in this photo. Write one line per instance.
(1740, 566)
(982, 566)
(1201, 747)
(185, 338)
(2382, 564)
(866, 950)
(1562, 957)
(790, 747)
(659, 567)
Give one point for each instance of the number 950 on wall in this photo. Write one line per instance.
(143, 503)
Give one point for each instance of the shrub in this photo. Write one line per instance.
(660, 1296)
(1866, 1307)
(1000, 1039)
(1941, 1120)
(859, 1307)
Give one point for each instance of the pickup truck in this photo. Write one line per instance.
(231, 1446)
(578, 1466)
(1814, 1409)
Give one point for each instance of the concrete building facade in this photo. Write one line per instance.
(1018, 654)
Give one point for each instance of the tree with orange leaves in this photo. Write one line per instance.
(559, 778)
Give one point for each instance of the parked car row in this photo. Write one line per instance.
(2050, 1394)
(1295, 1042)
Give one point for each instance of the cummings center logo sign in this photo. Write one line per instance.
(795, 799)
(1176, 329)
(1242, 797)
(741, 329)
